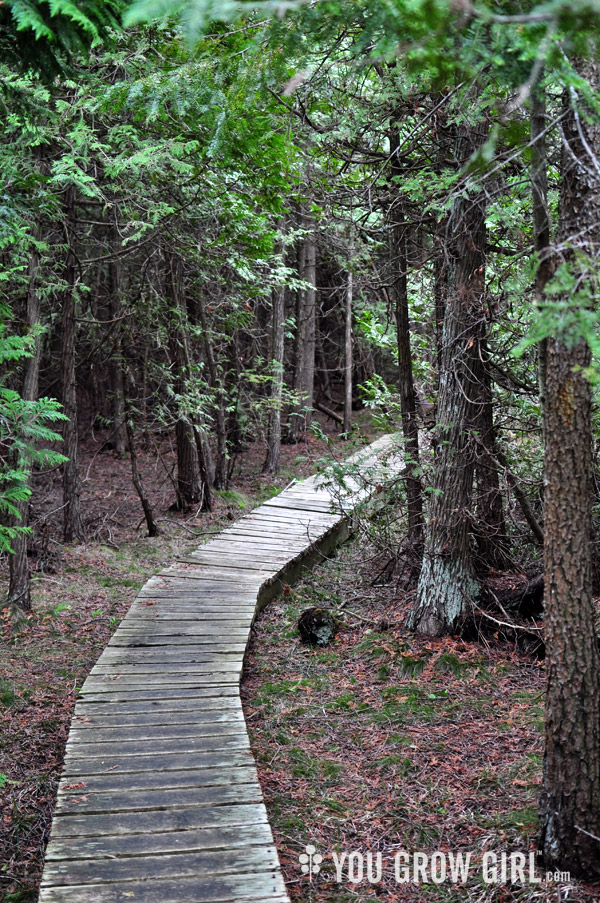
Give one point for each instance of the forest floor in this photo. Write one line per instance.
(381, 742)
(80, 593)
(388, 743)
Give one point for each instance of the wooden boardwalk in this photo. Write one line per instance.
(159, 800)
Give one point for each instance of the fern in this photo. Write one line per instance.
(44, 35)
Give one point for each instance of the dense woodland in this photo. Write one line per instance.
(216, 224)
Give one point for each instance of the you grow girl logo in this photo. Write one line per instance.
(437, 867)
(310, 861)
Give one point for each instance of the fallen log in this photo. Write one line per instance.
(329, 413)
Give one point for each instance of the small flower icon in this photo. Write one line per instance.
(310, 861)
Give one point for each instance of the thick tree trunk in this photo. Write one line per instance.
(272, 462)
(189, 484)
(447, 586)
(72, 522)
(440, 288)
(570, 800)
(19, 587)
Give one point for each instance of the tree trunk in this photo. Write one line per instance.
(136, 476)
(541, 218)
(490, 528)
(305, 341)
(220, 478)
(348, 352)
(570, 800)
(447, 584)
(119, 438)
(272, 462)
(72, 522)
(309, 326)
(189, 484)
(19, 587)
(408, 398)
(190, 489)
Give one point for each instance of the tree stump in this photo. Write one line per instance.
(317, 626)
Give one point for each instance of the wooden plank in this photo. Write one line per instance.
(235, 771)
(100, 734)
(187, 625)
(155, 654)
(114, 667)
(271, 530)
(263, 562)
(143, 719)
(238, 785)
(295, 503)
(187, 612)
(78, 767)
(119, 695)
(135, 801)
(197, 572)
(169, 746)
(154, 820)
(291, 518)
(243, 887)
(175, 865)
(112, 846)
(195, 628)
(278, 509)
(117, 670)
(140, 640)
(202, 610)
(196, 600)
(197, 591)
(171, 704)
(146, 682)
(214, 553)
(248, 539)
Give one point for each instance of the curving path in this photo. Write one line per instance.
(159, 799)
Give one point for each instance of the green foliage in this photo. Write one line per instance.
(25, 430)
(45, 35)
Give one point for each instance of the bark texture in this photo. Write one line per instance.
(570, 800)
(447, 585)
